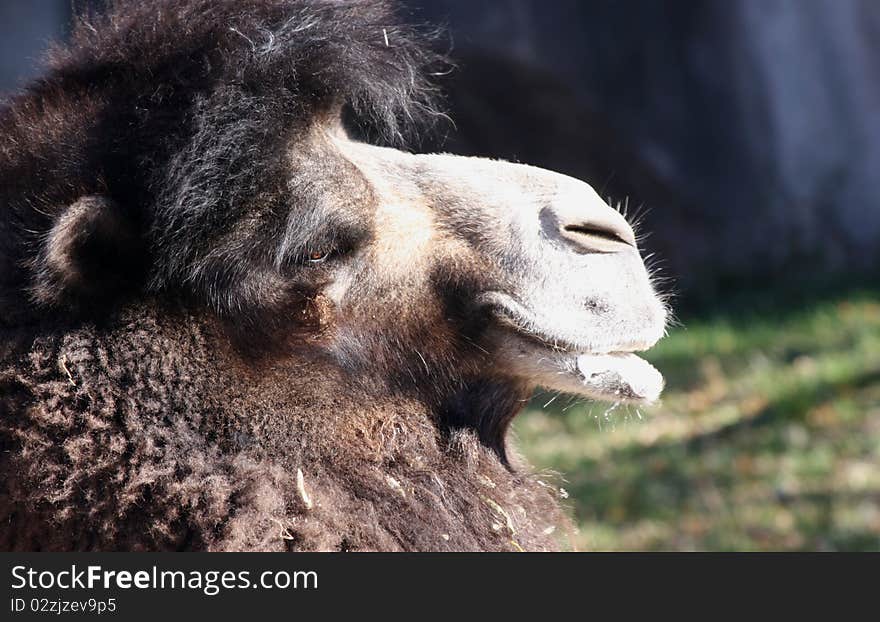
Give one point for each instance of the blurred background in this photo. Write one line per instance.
(745, 137)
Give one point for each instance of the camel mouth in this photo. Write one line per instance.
(609, 372)
(619, 377)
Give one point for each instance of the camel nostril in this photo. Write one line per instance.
(605, 234)
(599, 238)
(603, 231)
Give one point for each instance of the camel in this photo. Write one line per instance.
(227, 324)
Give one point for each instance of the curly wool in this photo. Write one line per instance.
(128, 438)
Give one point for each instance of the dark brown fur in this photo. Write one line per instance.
(168, 364)
(151, 434)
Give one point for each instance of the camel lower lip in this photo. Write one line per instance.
(619, 377)
(570, 364)
(610, 377)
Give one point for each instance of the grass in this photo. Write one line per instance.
(767, 438)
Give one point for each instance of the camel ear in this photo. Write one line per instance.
(89, 257)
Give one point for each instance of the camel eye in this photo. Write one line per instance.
(318, 256)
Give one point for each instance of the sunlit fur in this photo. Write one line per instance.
(225, 324)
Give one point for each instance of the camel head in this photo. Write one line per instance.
(207, 160)
(530, 272)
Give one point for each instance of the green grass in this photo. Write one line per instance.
(767, 437)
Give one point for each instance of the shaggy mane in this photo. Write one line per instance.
(348, 51)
